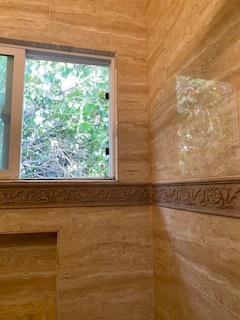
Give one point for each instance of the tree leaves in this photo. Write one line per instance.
(61, 136)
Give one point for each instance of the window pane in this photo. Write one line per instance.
(65, 120)
(6, 77)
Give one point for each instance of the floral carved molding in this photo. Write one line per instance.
(70, 194)
(215, 197)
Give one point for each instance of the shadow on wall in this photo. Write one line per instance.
(196, 266)
(204, 114)
(173, 298)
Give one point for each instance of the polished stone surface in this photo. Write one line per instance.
(104, 259)
(105, 268)
(201, 253)
(194, 89)
(104, 25)
(28, 275)
(176, 299)
(193, 61)
(113, 289)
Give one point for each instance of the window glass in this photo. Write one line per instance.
(6, 77)
(56, 115)
(65, 120)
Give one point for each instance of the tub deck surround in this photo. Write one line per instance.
(213, 197)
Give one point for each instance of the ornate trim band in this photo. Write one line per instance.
(215, 197)
(72, 194)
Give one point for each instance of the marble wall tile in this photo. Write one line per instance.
(124, 33)
(117, 281)
(104, 269)
(100, 291)
(194, 120)
(26, 18)
(110, 25)
(28, 273)
(42, 315)
(177, 299)
(202, 250)
(194, 92)
(137, 225)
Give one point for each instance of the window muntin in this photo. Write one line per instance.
(91, 128)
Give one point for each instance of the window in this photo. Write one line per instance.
(56, 115)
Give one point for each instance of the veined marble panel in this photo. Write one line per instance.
(111, 26)
(28, 275)
(177, 299)
(105, 259)
(26, 18)
(106, 290)
(195, 110)
(202, 250)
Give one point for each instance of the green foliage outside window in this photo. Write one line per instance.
(65, 120)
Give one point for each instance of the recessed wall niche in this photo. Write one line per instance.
(28, 269)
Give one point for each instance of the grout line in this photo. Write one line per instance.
(192, 285)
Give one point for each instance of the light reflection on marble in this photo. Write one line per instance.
(197, 40)
(207, 127)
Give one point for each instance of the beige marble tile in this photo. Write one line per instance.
(112, 235)
(189, 145)
(100, 291)
(157, 69)
(202, 42)
(177, 299)
(203, 250)
(114, 9)
(24, 18)
(137, 225)
(105, 269)
(104, 19)
(28, 272)
(110, 25)
(194, 124)
(42, 315)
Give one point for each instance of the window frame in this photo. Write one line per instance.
(19, 54)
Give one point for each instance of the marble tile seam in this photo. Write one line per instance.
(196, 288)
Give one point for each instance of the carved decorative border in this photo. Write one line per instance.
(215, 197)
(72, 194)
